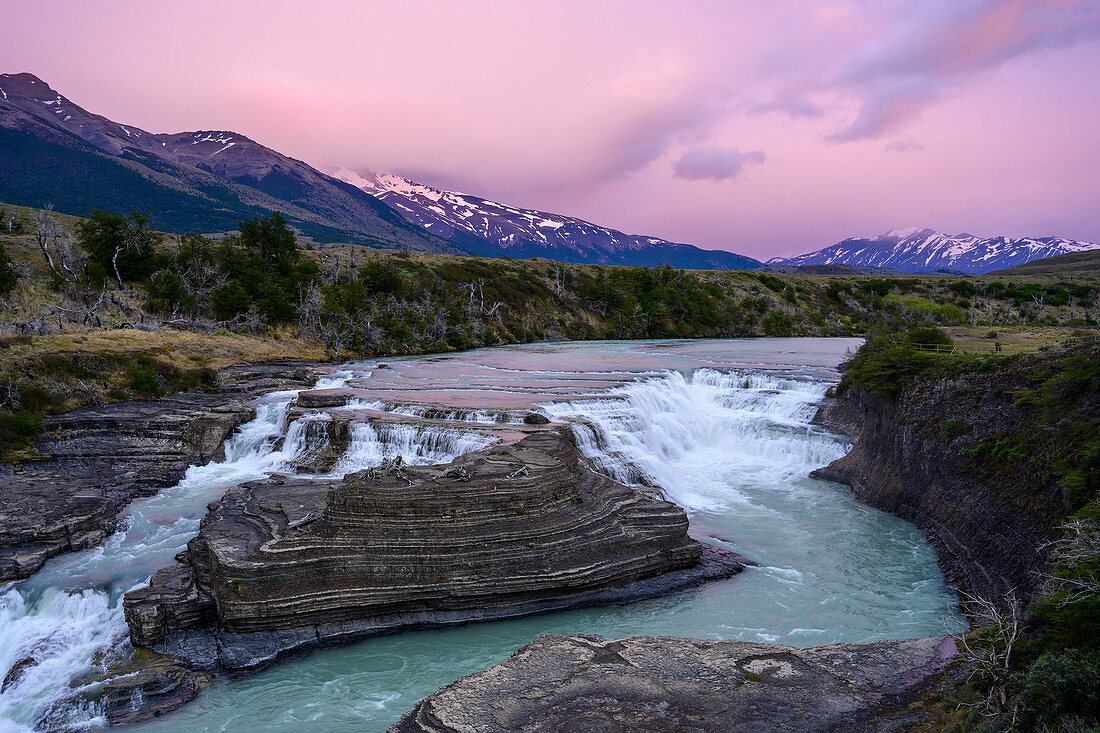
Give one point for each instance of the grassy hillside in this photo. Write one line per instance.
(189, 304)
(1076, 265)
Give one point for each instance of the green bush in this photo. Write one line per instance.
(18, 429)
(928, 335)
(1060, 692)
(778, 324)
(119, 246)
(142, 376)
(882, 368)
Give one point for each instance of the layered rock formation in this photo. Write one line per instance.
(586, 683)
(914, 457)
(94, 461)
(290, 563)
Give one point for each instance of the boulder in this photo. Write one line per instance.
(587, 683)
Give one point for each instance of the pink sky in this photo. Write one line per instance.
(764, 128)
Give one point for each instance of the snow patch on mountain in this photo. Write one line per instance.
(917, 249)
(527, 232)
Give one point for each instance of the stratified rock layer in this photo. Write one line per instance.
(94, 461)
(286, 564)
(914, 457)
(585, 683)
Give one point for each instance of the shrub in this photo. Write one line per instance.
(8, 274)
(142, 376)
(18, 428)
(928, 335)
(1059, 692)
(881, 369)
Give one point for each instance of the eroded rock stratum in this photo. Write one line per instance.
(290, 563)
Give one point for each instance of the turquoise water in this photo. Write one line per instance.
(724, 427)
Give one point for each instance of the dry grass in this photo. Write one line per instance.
(186, 349)
(1013, 339)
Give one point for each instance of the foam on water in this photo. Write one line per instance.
(678, 433)
(732, 446)
(67, 618)
(415, 444)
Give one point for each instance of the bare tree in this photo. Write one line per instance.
(10, 395)
(990, 649)
(1076, 559)
(57, 246)
(309, 309)
(47, 230)
(200, 279)
(556, 281)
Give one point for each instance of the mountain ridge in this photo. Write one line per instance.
(503, 230)
(917, 249)
(190, 179)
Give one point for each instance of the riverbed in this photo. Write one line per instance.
(724, 428)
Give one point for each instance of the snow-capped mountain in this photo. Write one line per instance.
(925, 250)
(53, 150)
(486, 227)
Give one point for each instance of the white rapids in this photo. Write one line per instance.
(724, 428)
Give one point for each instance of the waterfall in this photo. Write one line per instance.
(57, 625)
(64, 621)
(416, 444)
(660, 431)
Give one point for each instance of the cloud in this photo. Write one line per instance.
(715, 164)
(936, 46)
(792, 105)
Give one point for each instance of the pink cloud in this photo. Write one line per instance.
(587, 108)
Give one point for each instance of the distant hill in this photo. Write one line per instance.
(492, 229)
(52, 150)
(926, 250)
(1074, 264)
(838, 270)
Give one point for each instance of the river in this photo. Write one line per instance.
(723, 427)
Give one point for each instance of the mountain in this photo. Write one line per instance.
(491, 229)
(53, 150)
(926, 250)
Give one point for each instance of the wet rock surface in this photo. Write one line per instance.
(587, 683)
(92, 462)
(287, 564)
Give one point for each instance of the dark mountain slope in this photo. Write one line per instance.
(57, 151)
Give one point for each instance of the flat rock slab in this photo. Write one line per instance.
(586, 683)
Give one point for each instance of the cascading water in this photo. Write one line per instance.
(678, 432)
(65, 620)
(732, 446)
(60, 623)
(415, 444)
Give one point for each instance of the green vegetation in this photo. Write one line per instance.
(42, 388)
(256, 276)
(118, 246)
(1052, 448)
(259, 294)
(9, 276)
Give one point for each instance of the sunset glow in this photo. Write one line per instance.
(763, 128)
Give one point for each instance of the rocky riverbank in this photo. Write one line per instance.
(919, 457)
(585, 683)
(90, 463)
